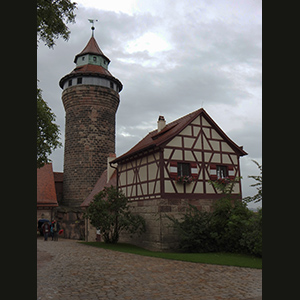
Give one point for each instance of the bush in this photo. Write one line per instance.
(194, 231)
(110, 213)
(251, 239)
(232, 227)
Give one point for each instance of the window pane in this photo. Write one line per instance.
(222, 171)
(183, 169)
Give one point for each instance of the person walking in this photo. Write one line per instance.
(46, 230)
(56, 228)
(51, 230)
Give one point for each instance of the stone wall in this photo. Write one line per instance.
(160, 234)
(71, 221)
(89, 138)
(44, 213)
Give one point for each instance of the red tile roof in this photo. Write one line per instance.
(156, 139)
(100, 184)
(46, 194)
(91, 48)
(90, 69)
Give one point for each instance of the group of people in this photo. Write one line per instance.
(51, 230)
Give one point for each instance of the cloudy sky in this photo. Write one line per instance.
(172, 57)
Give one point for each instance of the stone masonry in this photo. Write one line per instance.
(89, 138)
(160, 233)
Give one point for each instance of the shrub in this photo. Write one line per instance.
(110, 213)
(251, 239)
(194, 231)
(232, 227)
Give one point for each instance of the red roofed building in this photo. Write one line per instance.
(46, 192)
(170, 168)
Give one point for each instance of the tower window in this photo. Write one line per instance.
(70, 82)
(94, 58)
(82, 58)
(111, 85)
(79, 80)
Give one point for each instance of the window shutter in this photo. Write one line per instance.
(173, 169)
(194, 171)
(231, 172)
(213, 172)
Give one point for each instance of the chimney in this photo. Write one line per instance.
(110, 170)
(161, 123)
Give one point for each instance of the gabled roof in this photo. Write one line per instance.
(157, 139)
(99, 186)
(46, 194)
(91, 48)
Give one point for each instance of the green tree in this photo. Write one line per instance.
(47, 131)
(109, 212)
(52, 16)
(257, 197)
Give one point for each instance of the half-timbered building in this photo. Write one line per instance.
(171, 167)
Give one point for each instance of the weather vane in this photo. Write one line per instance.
(93, 28)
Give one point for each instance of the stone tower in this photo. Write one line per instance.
(91, 98)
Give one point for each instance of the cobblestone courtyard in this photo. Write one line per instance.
(69, 270)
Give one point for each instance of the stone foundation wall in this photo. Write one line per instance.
(160, 234)
(71, 221)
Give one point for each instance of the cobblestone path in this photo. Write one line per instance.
(69, 270)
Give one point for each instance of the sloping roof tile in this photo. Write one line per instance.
(156, 139)
(100, 184)
(89, 68)
(46, 194)
(91, 48)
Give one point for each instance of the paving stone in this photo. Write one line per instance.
(69, 270)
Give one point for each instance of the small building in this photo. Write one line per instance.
(170, 168)
(46, 193)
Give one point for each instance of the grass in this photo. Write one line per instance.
(218, 258)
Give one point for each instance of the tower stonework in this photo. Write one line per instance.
(90, 98)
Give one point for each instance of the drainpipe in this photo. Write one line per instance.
(116, 168)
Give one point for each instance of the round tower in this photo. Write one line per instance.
(91, 98)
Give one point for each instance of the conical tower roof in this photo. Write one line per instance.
(93, 63)
(91, 48)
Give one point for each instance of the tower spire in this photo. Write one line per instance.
(93, 28)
